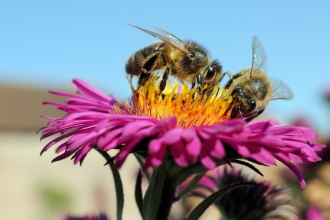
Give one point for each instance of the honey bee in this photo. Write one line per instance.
(186, 60)
(252, 89)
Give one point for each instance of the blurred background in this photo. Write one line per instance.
(46, 44)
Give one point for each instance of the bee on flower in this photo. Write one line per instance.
(176, 132)
(186, 132)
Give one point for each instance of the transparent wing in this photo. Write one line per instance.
(280, 90)
(169, 35)
(259, 57)
(166, 37)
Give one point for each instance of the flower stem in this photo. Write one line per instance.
(118, 182)
(167, 199)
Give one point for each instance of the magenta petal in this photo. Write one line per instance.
(271, 139)
(241, 149)
(263, 156)
(48, 146)
(194, 146)
(112, 144)
(167, 123)
(208, 146)
(188, 134)
(81, 154)
(62, 147)
(155, 145)
(219, 151)
(208, 183)
(125, 150)
(152, 161)
(204, 134)
(92, 119)
(317, 147)
(177, 151)
(90, 91)
(76, 137)
(108, 137)
(262, 125)
(296, 171)
(314, 212)
(227, 127)
(207, 162)
(132, 128)
(78, 143)
(63, 156)
(173, 136)
(155, 159)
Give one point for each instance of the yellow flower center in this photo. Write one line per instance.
(190, 108)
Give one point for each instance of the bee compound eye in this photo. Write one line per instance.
(191, 55)
(237, 91)
(210, 72)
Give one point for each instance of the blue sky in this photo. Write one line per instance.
(48, 43)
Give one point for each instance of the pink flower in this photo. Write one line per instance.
(302, 122)
(259, 201)
(187, 136)
(312, 213)
(87, 217)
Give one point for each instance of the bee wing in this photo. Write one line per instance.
(166, 37)
(280, 90)
(259, 57)
(169, 35)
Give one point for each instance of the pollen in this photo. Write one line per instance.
(190, 108)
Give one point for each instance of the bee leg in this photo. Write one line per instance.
(254, 116)
(193, 85)
(260, 112)
(216, 94)
(247, 120)
(130, 81)
(144, 77)
(231, 78)
(162, 84)
(147, 69)
(230, 81)
(223, 75)
(199, 83)
(239, 110)
(208, 94)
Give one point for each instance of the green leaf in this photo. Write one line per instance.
(206, 203)
(184, 173)
(140, 160)
(146, 201)
(152, 196)
(138, 193)
(247, 165)
(191, 185)
(118, 183)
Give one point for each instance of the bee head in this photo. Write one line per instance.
(211, 76)
(244, 102)
(213, 72)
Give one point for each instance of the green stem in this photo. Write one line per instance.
(167, 199)
(153, 195)
(118, 183)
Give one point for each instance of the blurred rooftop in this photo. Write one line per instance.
(21, 107)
